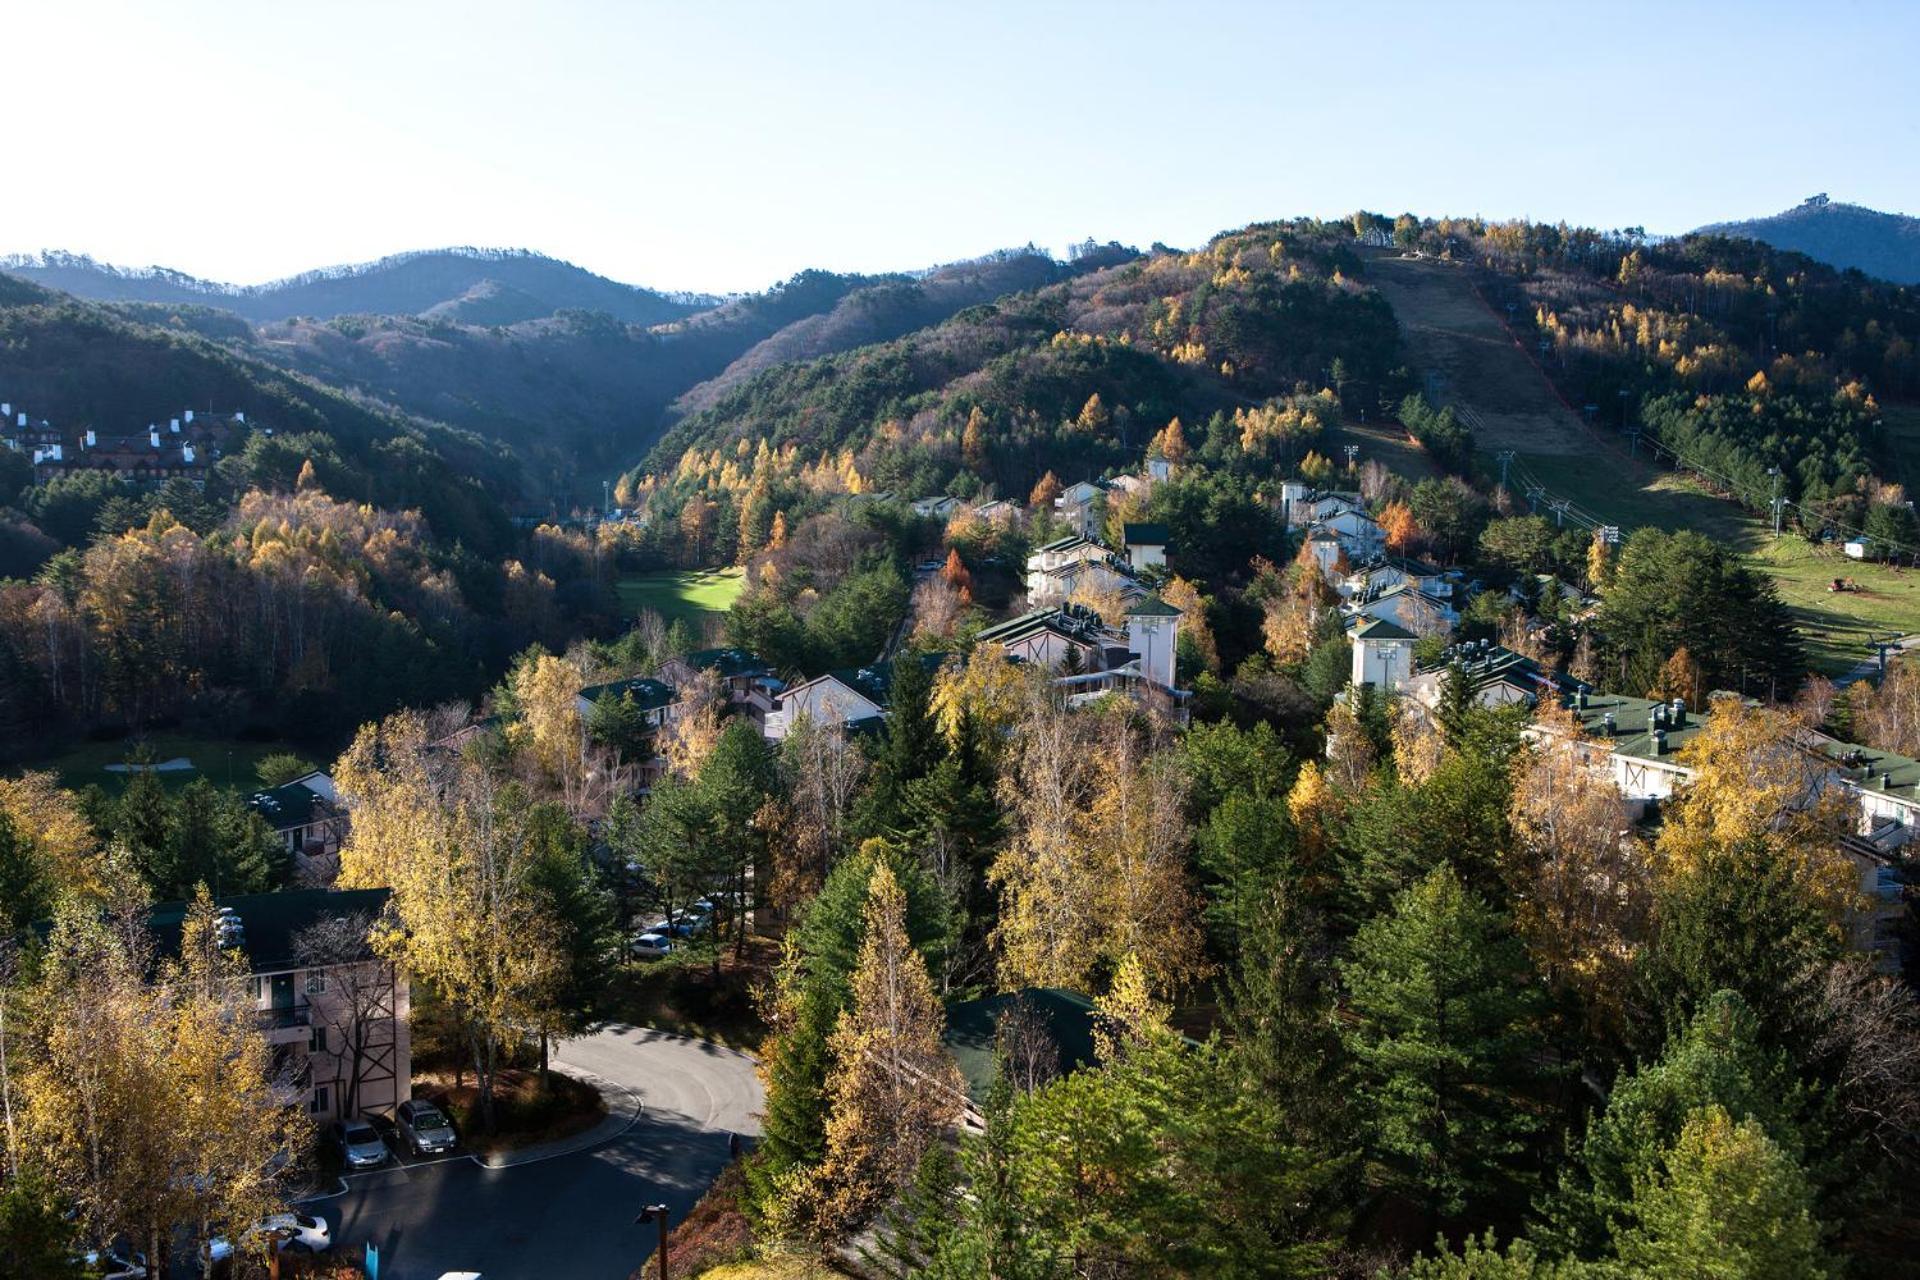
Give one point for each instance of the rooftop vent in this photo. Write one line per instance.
(1659, 742)
(1606, 724)
(1679, 713)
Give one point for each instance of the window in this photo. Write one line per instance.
(316, 982)
(319, 1103)
(317, 1042)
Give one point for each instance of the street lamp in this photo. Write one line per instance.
(658, 1212)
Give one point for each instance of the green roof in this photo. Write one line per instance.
(1153, 607)
(1633, 724)
(971, 1025)
(270, 920)
(1074, 621)
(648, 694)
(729, 662)
(284, 806)
(1144, 535)
(1383, 629)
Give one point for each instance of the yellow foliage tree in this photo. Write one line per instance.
(1097, 867)
(1186, 597)
(988, 687)
(1759, 787)
(1402, 530)
(62, 839)
(1045, 490)
(549, 727)
(893, 1088)
(1094, 417)
(1578, 877)
(973, 442)
(1681, 677)
(1170, 444)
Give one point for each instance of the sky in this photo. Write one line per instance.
(722, 147)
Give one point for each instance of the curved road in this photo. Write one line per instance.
(569, 1217)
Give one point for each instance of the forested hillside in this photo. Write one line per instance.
(1072, 378)
(1729, 357)
(1886, 245)
(340, 559)
(496, 286)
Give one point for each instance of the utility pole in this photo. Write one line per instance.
(1505, 456)
(1559, 508)
(1775, 502)
(1883, 647)
(1353, 451)
(1534, 494)
(1633, 444)
(658, 1212)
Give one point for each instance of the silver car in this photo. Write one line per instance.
(425, 1128)
(360, 1144)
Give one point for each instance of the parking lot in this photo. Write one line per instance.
(567, 1216)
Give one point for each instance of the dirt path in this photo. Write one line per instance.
(1469, 360)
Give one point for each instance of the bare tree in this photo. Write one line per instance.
(1870, 1027)
(1028, 1052)
(354, 1002)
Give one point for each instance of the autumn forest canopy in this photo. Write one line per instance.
(1484, 884)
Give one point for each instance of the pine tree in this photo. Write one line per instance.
(1727, 1201)
(893, 1088)
(1445, 1041)
(1718, 1060)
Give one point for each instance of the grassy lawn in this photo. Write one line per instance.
(1387, 445)
(88, 762)
(681, 594)
(1836, 624)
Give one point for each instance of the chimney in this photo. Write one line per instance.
(174, 426)
(1659, 742)
(1678, 713)
(1657, 718)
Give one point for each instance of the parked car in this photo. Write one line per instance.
(360, 1144)
(288, 1233)
(116, 1263)
(652, 946)
(424, 1127)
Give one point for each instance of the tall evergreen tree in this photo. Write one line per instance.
(1446, 1044)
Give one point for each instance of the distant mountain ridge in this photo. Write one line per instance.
(510, 285)
(1886, 245)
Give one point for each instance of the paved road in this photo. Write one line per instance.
(570, 1217)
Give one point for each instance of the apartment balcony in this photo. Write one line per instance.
(287, 1026)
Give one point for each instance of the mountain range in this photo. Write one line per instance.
(577, 373)
(1842, 235)
(474, 286)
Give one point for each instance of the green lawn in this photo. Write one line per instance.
(210, 756)
(1835, 624)
(681, 594)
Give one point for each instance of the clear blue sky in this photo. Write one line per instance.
(709, 145)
